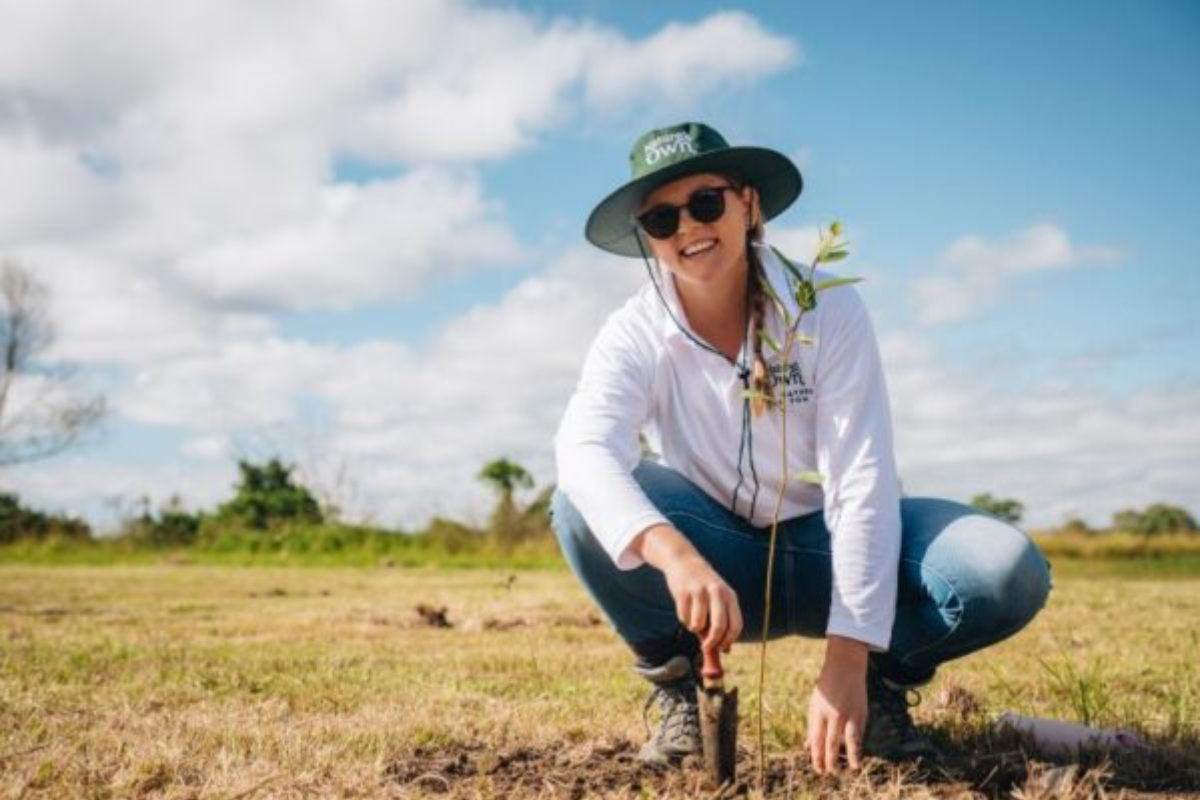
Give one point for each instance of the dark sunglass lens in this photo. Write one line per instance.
(661, 221)
(704, 205)
(707, 205)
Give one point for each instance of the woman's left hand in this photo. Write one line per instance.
(837, 712)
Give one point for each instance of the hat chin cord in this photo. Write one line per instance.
(746, 439)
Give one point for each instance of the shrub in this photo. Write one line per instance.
(452, 537)
(19, 522)
(1077, 527)
(1158, 519)
(268, 495)
(1004, 508)
(171, 526)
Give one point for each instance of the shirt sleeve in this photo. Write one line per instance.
(855, 458)
(597, 445)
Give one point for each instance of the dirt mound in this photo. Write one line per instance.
(434, 616)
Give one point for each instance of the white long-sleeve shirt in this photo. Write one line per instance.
(644, 375)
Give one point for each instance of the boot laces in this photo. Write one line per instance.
(677, 703)
(895, 704)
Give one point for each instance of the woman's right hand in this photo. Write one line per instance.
(705, 604)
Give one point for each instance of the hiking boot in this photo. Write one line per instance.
(678, 733)
(891, 734)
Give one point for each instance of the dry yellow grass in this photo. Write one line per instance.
(186, 681)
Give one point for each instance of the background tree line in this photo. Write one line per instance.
(271, 511)
(1158, 519)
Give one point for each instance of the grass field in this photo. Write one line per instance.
(207, 681)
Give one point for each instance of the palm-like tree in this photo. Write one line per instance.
(505, 477)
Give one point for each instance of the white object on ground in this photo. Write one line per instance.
(1052, 736)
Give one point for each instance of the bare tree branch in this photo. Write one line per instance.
(40, 415)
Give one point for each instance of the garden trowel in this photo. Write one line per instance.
(718, 721)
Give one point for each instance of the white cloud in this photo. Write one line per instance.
(417, 425)
(108, 311)
(803, 158)
(1061, 446)
(493, 82)
(419, 80)
(410, 82)
(682, 61)
(975, 272)
(414, 425)
(182, 158)
(241, 385)
(1038, 247)
(70, 200)
(799, 244)
(211, 447)
(358, 243)
(90, 485)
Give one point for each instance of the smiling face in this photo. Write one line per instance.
(704, 257)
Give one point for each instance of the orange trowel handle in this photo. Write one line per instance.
(712, 673)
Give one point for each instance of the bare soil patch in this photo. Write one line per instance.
(611, 769)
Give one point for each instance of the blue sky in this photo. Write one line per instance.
(331, 238)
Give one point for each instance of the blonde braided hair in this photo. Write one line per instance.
(760, 375)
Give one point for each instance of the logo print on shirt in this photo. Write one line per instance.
(797, 391)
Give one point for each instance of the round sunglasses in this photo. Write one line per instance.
(704, 205)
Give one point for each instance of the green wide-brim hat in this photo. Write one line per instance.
(666, 154)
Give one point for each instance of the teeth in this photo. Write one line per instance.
(699, 247)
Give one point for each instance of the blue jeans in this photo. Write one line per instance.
(967, 580)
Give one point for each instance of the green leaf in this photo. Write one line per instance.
(836, 228)
(787, 263)
(834, 255)
(809, 476)
(770, 340)
(804, 338)
(779, 254)
(806, 296)
(832, 282)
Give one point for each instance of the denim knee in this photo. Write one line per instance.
(1013, 576)
(1029, 581)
